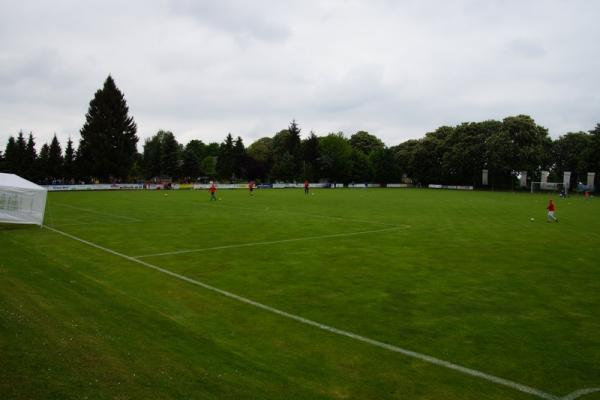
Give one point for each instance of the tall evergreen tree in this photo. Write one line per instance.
(225, 161)
(295, 148)
(42, 164)
(294, 139)
(55, 159)
(78, 166)
(69, 162)
(30, 157)
(108, 137)
(239, 158)
(21, 152)
(10, 155)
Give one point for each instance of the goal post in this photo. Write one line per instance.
(549, 187)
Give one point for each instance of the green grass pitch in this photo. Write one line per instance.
(465, 277)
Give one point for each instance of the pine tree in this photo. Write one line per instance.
(108, 137)
(21, 156)
(295, 149)
(287, 153)
(239, 158)
(30, 157)
(55, 159)
(10, 155)
(42, 163)
(294, 139)
(225, 161)
(69, 162)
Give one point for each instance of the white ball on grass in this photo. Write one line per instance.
(532, 219)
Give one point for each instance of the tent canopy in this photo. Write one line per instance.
(21, 201)
(15, 181)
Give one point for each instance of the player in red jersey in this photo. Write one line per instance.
(306, 185)
(551, 208)
(213, 190)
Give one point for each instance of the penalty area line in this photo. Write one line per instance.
(233, 246)
(420, 356)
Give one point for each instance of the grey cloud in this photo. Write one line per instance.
(358, 88)
(527, 48)
(205, 68)
(244, 19)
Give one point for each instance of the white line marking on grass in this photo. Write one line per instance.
(578, 393)
(419, 356)
(233, 246)
(93, 223)
(97, 212)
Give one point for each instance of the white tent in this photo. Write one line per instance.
(21, 201)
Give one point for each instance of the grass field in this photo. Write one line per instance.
(463, 277)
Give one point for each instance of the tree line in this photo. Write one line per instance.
(107, 152)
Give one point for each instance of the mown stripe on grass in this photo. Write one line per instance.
(233, 246)
(302, 214)
(423, 357)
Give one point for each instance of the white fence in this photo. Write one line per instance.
(115, 186)
(453, 187)
(205, 186)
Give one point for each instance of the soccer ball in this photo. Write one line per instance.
(531, 219)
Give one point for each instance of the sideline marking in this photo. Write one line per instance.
(232, 246)
(97, 212)
(92, 223)
(420, 356)
(578, 393)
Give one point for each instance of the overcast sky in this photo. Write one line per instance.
(202, 69)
